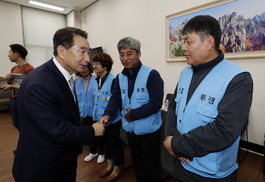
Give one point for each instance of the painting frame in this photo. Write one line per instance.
(202, 8)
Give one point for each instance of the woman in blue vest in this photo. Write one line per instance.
(84, 91)
(97, 146)
(102, 64)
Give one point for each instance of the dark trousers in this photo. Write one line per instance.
(146, 157)
(183, 175)
(14, 112)
(97, 144)
(113, 143)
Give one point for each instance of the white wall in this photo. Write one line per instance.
(39, 27)
(108, 21)
(70, 19)
(30, 27)
(74, 19)
(10, 33)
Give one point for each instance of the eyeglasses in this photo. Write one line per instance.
(95, 63)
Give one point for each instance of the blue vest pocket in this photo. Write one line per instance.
(141, 99)
(207, 114)
(177, 99)
(206, 164)
(141, 126)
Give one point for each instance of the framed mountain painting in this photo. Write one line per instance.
(242, 23)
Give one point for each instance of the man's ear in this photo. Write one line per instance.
(210, 42)
(17, 54)
(139, 54)
(61, 51)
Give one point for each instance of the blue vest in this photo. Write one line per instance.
(140, 96)
(101, 100)
(84, 98)
(201, 110)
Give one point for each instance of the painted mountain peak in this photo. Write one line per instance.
(238, 34)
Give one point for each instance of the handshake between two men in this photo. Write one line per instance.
(99, 127)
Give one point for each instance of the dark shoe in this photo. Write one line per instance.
(112, 177)
(105, 172)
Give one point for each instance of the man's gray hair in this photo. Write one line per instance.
(129, 42)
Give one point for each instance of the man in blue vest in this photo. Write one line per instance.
(139, 91)
(211, 105)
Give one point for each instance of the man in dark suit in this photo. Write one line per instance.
(50, 136)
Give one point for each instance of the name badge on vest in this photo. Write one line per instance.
(210, 99)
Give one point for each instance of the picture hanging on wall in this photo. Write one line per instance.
(242, 23)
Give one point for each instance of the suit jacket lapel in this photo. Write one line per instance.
(63, 85)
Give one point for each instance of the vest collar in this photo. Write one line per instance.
(212, 63)
(134, 71)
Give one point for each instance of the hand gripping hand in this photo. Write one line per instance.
(99, 128)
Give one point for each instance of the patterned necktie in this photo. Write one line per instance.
(71, 83)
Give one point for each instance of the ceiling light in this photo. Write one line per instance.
(45, 5)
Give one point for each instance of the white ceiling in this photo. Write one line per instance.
(69, 5)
